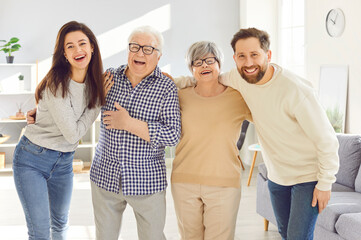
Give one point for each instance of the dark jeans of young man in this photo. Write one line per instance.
(295, 216)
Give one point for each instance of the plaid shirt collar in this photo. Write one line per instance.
(156, 73)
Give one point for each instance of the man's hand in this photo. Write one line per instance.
(121, 120)
(31, 116)
(108, 82)
(322, 198)
(117, 119)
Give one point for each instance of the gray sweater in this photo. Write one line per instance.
(61, 122)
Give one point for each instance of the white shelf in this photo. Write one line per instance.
(5, 145)
(9, 78)
(12, 121)
(17, 64)
(16, 93)
(8, 168)
(85, 145)
(10, 98)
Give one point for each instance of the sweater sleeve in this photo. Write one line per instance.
(314, 122)
(231, 79)
(64, 117)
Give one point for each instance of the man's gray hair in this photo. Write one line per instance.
(151, 31)
(199, 50)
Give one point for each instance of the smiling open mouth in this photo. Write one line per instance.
(139, 62)
(78, 58)
(250, 70)
(205, 72)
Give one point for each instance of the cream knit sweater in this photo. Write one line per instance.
(299, 144)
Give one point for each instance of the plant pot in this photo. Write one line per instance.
(9, 59)
(21, 85)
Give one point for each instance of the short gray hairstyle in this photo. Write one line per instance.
(200, 49)
(151, 31)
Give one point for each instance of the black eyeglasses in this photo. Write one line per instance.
(208, 61)
(147, 50)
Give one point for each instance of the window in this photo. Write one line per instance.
(292, 36)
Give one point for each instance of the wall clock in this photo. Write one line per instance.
(335, 22)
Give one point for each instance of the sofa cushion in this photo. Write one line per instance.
(322, 234)
(330, 215)
(345, 197)
(336, 187)
(350, 159)
(263, 170)
(358, 181)
(348, 226)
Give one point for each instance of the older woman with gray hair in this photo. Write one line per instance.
(206, 174)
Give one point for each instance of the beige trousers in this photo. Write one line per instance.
(149, 211)
(206, 212)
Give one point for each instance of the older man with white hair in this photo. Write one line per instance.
(140, 118)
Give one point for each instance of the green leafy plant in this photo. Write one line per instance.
(10, 46)
(21, 77)
(336, 118)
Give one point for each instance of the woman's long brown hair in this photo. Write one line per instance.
(60, 71)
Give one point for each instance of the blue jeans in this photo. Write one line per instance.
(295, 216)
(44, 182)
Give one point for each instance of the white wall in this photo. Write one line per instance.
(182, 22)
(262, 14)
(36, 24)
(320, 48)
(345, 50)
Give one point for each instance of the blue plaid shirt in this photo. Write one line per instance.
(140, 165)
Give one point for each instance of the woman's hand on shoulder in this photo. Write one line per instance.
(168, 75)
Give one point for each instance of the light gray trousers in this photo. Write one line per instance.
(149, 211)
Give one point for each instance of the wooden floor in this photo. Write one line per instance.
(12, 222)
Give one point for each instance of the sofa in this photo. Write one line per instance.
(341, 219)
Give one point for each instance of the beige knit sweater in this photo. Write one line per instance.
(207, 152)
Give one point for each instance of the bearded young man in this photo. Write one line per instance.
(299, 145)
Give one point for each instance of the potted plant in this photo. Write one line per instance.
(21, 82)
(9, 47)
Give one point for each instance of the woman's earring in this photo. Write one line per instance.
(66, 60)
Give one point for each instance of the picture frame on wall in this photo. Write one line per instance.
(333, 87)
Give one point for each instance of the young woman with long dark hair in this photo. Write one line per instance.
(69, 100)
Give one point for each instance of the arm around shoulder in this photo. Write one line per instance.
(70, 126)
(184, 81)
(231, 79)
